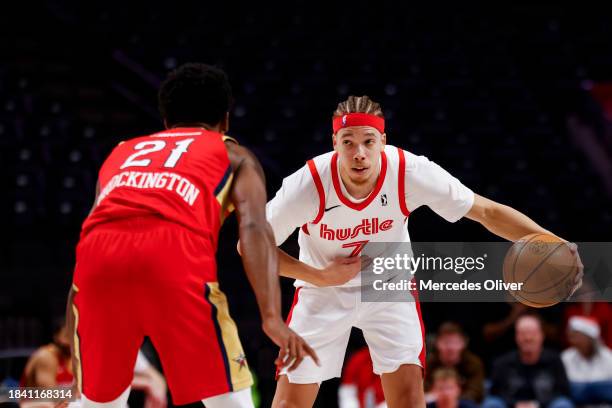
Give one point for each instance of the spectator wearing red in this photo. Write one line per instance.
(360, 387)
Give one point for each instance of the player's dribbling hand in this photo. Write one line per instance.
(340, 271)
(578, 279)
(293, 348)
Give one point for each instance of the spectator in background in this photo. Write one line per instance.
(450, 352)
(530, 376)
(360, 387)
(446, 389)
(587, 307)
(588, 363)
(500, 319)
(51, 366)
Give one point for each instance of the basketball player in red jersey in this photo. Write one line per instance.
(146, 258)
(364, 191)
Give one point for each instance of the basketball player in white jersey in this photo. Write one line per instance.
(364, 191)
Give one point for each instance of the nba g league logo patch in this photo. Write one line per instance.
(383, 200)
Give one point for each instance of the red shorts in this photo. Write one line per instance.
(150, 277)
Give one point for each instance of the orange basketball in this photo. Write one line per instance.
(544, 265)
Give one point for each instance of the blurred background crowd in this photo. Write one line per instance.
(515, 101)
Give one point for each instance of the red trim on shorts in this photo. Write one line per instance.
(401, 188)
(336, 181)
(305, 229)
(422, 354)
(317, 180)
(295, 300)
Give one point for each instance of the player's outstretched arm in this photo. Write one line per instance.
(259, 253)
(506, 222)
(502, 220)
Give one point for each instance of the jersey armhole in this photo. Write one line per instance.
(401, 188)
(319, 185)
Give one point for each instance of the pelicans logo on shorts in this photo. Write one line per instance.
(241, 361)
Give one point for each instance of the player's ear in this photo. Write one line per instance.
(383, 140)
(334, 141)
(224, 125)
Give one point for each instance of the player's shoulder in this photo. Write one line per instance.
(322, 160)
(319, 164)
(239, 155)
(413, 161)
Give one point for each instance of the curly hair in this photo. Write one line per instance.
(195, 93)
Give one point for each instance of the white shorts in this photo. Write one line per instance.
(324, 317)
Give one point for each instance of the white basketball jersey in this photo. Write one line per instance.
(342, 226)
(336, 225)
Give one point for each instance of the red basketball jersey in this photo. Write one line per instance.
(182, 175)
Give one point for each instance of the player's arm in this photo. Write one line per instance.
(429, 184)
(506, 222)
(340, 271)
(502, 220)
(297, 203)
(260, 255)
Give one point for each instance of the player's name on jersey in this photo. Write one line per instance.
(152, 180)
(366, 227)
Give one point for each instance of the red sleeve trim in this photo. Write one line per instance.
(305, 229)
(317, 180)
(401, 188)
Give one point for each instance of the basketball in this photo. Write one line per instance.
(544, 265)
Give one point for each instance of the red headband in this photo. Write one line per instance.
(359, 119)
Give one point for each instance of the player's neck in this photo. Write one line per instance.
(358, 190)
(215, 128)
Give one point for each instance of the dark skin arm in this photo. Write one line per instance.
(248, 194)
(260, 256)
